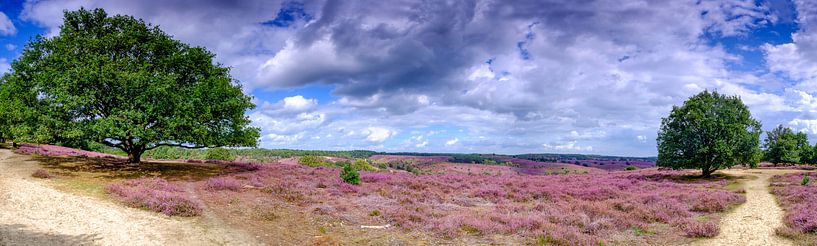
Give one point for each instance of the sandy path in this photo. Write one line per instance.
(754, 222)
(32, 213)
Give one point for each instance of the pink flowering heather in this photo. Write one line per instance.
(576, 209)
(798, 200)
(221, 183)
(700, 229)
(155, 194)
(53, 150)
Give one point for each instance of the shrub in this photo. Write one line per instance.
(350, 175)
(155, 194)
(630, 168)
(314, 161)
(218, 183)
(41, 173)
(363, 165)
(700, 229)
(805, 180)
(243, 166)
(220, 154)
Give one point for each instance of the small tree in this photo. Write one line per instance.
(782, 146)
(709, 131)
(350, 175)
(119, 81)
(804, 150)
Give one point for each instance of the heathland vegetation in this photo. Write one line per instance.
(114, 107)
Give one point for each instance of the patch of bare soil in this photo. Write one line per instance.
(33, 213)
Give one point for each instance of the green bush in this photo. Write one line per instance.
(350, 175)
(806, 180)
(314, 161)
(363, 165)
(220, 154)
(630, 168)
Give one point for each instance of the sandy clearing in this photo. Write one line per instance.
(754, 222)
(32, 213)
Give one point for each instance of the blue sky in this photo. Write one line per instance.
(481, 76)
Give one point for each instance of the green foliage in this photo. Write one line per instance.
(350, 175)
(119, 81)
(314, 161)
(806, 180)
(404, 165)
(630, 168)
(782, 145)
(221, 154)
(363, 165)
(709, 131)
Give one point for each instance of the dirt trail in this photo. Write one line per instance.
(754, 222)
(32, 213)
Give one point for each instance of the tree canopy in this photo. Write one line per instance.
(709, 131)
(121, 82)
(783, 145)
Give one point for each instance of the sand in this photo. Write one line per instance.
(34, 213)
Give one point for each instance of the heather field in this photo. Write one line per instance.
(797, 195)
(454, 203)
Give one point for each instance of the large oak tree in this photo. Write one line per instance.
(709, 131)
(121, 82)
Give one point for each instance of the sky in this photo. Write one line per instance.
(494, 76)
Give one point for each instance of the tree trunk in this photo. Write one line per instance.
(707, 172)
(135, 156)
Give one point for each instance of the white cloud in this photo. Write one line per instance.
(378, 134)
(568, 146)
(4, 65)
(298, 103)
(10, 46)
(641, 138)
(452, 142)
(809, 126)
(6, 26)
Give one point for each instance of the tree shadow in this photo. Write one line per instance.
(15, 234)
(117, 169)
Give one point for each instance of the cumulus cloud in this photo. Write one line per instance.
(513, 76)
(293, 104)
(452, 142)
(568, 146)
(378, 134)
(6, 26)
